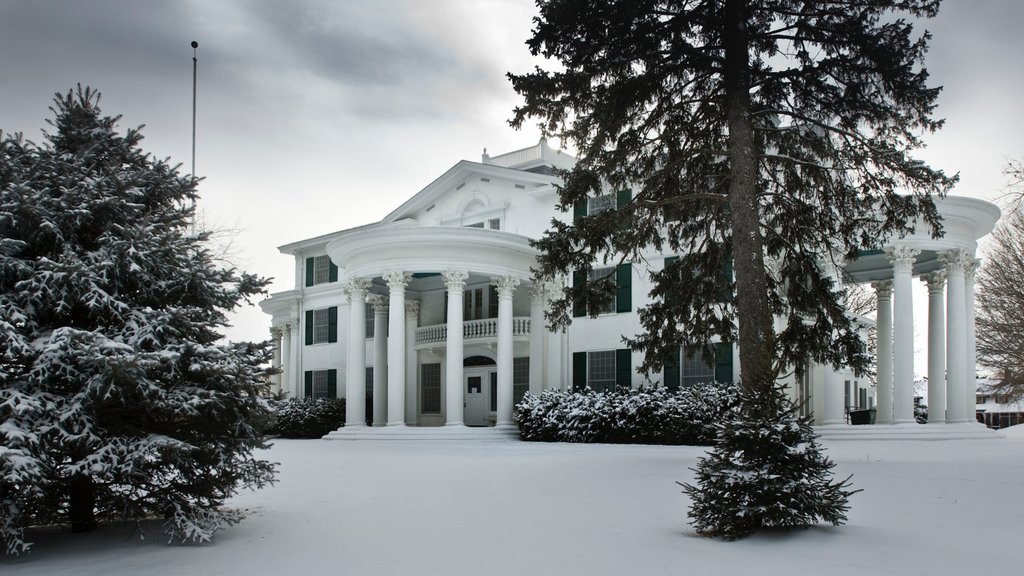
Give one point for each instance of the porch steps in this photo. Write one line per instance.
(428, 433)
(911, 431)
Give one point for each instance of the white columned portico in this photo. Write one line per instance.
(956, 341)
(936, 347)
(396, 280)
(380, 358)
(412, 318)
(275, 361)
(538, 296)
(506, 285)
(971, 376)
(902, 258)
(355, 381)
(883, 290)
(455, 281)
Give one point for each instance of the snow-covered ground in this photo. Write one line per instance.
(495, 508)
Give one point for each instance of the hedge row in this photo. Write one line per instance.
(642, 416)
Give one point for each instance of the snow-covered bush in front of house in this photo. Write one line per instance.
(307, 418)
(642, 416)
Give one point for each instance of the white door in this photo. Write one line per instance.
(476, 399)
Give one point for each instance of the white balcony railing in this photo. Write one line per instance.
(471, 330)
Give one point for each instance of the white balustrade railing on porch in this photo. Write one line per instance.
(472, 330)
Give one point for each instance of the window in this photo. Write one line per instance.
(475, 225)
(430, 388)
(520, 378)
(322, 325)
(494, 223)
(602, 370)
(621, 278)
(369, 319)
(598, 274)
(695, 370)
(321, 383)
(320, 270)
(600, 203)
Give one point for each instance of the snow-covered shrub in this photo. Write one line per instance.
(641, 416)
(307, 418)
(767, 470)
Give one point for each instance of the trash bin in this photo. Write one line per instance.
(858, 417)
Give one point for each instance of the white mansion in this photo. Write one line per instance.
(433, 313)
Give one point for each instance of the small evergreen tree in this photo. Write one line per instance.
(117, 399)
(767, 471)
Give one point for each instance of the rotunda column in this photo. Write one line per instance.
(554, 377)
(506, 285)
(902, 258)
(538, 298)
(380, 358)
(971, 381)
(956, 332)
(883, 291)
(286, 358)
(412, 319)
(275, 361)
(294, 364)
(455, 281)
(397, 281)
(355, 380)
(936, 347)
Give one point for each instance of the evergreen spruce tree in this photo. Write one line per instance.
(117, 397)
(775, 137)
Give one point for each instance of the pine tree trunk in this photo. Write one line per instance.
(82, 508)
(753, 314)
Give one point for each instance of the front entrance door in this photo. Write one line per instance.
(476, 398)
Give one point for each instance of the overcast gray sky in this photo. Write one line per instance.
(315, 116)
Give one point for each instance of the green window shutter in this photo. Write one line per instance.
(332, 273)
(579, 370)
(579, 210)
(309, 327)
(624, 288)
(623, 367)
(672, 374)
(332, 324)
(579, 306)
(622, 197)
(309, 271)
(332, 383)
(723, 362)
(308, 388)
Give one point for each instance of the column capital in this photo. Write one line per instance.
(936, 281)
(902, 257)
(397, 279)
(356, 288)
(883, 289)
(412, 308)
(455, 280)
(956, 261)
(971, 269)
(505, 285)
(538, 291)
(276, 331)
(379, 303)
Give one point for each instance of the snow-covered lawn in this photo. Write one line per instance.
(495, 508)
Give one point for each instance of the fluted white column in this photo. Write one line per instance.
(902, 258)
(455, 281)
(355, 380)
(883, 291)
(293, 368)
(554, 377)
(538, 299)
(412, 318)
(971, 378)
(834, 389)
(275, 361)
(380, 358)
(396, 281)
(936, 347)
(956, 332)
(286, 359)
(506, 285)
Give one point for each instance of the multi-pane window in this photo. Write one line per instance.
(520, 378)
(601, 370)
(321, 269)
(695, 370)
(600, 204)
(430, 388)
(321, 323)
(494, 223)
(597, 274)
(320, 384)
(369, 319)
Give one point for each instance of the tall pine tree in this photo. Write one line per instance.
(774, 137)
(117, 397)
